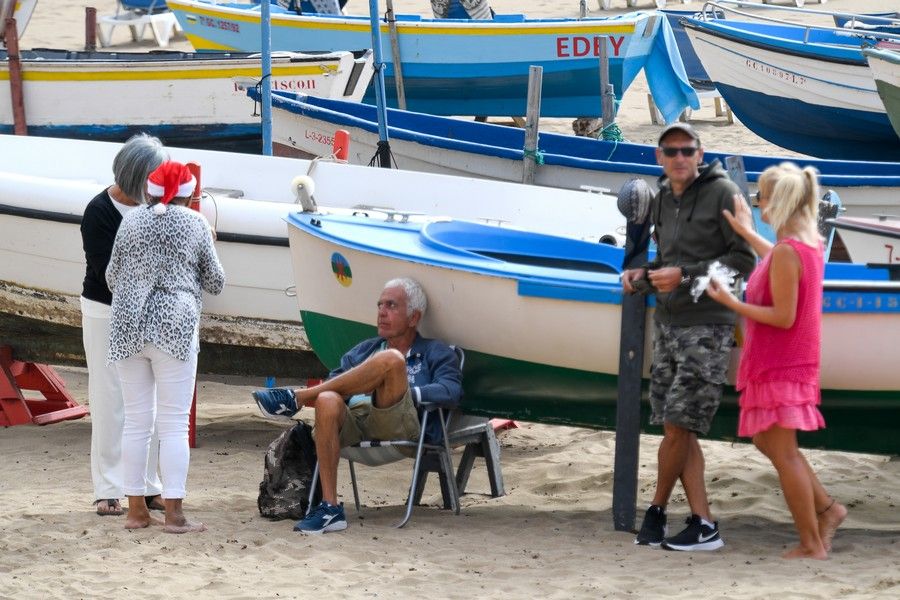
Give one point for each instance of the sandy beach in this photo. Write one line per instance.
(551, 536)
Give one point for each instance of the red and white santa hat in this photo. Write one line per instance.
(170, 180)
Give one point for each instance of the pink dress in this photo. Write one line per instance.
(779, 372)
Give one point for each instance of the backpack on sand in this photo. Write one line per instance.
(289, 464)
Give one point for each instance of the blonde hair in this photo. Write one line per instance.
(792, 193)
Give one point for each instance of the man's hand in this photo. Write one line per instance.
(629, 276)
(666, 279)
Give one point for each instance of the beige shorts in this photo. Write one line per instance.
(367, 422)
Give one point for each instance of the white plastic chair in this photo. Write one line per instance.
(137, 15)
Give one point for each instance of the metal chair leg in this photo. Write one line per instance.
(312, 488)
(355, 490)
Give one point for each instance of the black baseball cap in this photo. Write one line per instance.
(678, 126)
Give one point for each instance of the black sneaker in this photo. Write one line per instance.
(696, 536)
(653, 530)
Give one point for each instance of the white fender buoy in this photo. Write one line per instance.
(304, 187)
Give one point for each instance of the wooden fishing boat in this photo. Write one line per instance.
(884, 60)
(803, 87)
(45, 184)
(304, 126)
(479, 67)
(186, 99)
(539, 318)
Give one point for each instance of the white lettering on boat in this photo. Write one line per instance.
(579, 45)
(776, 73)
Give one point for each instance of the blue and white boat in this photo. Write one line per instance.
(304, 126)
(479, 67)
(805, 88)
(539, 318)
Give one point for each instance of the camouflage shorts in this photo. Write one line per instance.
(689, 369)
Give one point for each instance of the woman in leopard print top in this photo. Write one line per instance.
(162, 260)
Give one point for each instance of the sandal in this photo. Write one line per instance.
(109, 508)
(155, 503)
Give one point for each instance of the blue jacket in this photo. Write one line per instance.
(433, 372)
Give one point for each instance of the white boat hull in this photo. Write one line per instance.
(246, 199)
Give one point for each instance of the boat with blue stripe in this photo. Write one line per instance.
(478, 67)
(304, 126)
(539, 317)
(802, 87)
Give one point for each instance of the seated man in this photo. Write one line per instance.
(396, 371)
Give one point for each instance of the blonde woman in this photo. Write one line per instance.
(778, 377)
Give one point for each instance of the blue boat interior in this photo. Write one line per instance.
(522, 247)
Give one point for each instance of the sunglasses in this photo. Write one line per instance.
(672, 151)
(755, 200)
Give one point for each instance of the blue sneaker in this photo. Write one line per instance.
(276, 403)
(323, 518)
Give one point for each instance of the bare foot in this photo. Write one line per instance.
(140, 522)
(185, 526)
(801, 552)
(829, 521)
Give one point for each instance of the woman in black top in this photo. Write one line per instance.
(138, 157)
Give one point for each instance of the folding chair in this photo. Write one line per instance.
(462, 429)
(138, 15)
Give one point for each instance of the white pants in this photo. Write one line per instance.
(107, 411)
(157, 388)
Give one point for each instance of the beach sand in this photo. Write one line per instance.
(551, 536)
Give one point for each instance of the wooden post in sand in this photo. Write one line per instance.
(90, 29)
(607, 92)
(532, 122)
(17, 96)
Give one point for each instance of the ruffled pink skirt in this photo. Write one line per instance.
(788, 404)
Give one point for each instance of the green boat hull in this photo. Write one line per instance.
(496, 386)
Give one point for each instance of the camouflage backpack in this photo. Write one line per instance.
(289, 464)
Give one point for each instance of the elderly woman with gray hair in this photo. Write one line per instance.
(137, 158)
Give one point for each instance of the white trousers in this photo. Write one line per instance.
(107, 410)
(157, 388)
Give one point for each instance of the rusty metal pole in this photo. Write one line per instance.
(15, 78)
(90, 29)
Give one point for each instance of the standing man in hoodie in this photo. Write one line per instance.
(692, 340)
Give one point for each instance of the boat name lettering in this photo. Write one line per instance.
(583, 46)
(219, 24)
(777, 73)
(323, 139)
(284, 84)
(890, 257)
(860, 302)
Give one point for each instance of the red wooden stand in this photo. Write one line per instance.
(15, 409)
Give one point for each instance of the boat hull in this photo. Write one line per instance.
(823, 105)
(451, 66)
(875, 241)
(246, 199)
(885, 65)
(186, 99)
(305, 126)
(535, 352)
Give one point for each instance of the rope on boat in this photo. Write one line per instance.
(536, 155)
